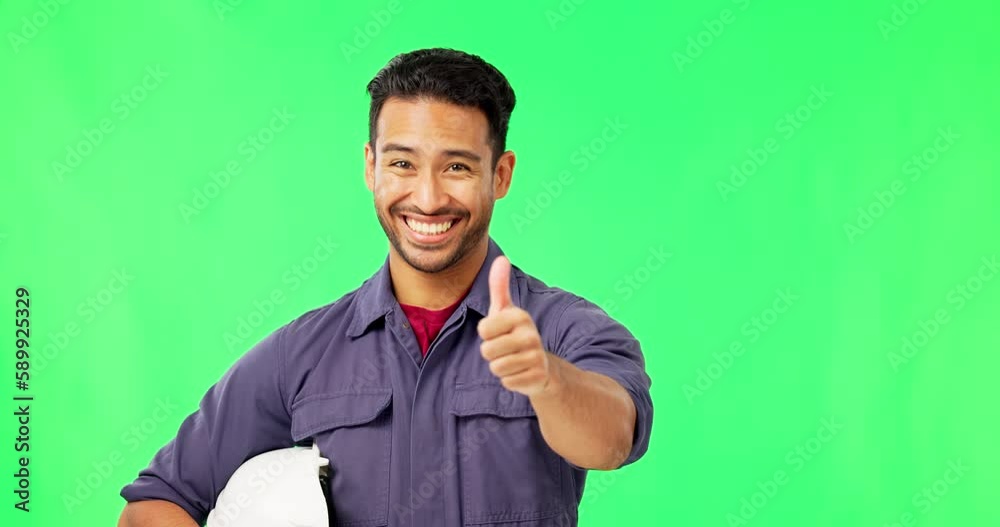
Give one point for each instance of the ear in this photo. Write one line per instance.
(370, 167)
(503, 173)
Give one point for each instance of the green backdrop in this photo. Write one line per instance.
(793, 205)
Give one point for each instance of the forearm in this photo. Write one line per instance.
(585, 417)
(155, 513)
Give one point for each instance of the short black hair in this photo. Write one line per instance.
(447, 75)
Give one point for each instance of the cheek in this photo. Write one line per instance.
(477, 199)
(387, 189)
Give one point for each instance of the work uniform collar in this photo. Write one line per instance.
(375, 299)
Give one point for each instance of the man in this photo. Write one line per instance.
(451, 388)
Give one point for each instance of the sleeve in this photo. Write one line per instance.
(590, 339)
(242, 415)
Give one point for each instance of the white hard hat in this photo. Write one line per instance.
(280, 488)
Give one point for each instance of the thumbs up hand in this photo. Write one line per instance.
(511, 342)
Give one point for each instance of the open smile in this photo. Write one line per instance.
(430, 230)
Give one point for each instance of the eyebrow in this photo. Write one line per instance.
(467, 154)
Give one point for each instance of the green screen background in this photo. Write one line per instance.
(626, 135)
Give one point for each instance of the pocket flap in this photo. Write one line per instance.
(333, 410)
(489, 399)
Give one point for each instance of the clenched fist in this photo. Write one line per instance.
(511, 342)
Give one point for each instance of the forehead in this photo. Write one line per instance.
(431, 124)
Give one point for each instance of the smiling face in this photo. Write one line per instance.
(433, 180)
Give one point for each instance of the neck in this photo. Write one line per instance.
(435, 290)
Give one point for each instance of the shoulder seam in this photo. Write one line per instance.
(559, 321)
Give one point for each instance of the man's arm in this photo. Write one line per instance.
(585, 417)
(242, 415)
(154, 513)
(591, 395)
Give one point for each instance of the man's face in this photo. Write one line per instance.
(433, 180)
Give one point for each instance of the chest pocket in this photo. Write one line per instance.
(509, 475)
(354, 431)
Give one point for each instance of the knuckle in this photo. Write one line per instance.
(528, 338)
(495, 368)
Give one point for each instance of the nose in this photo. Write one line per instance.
(429, 194)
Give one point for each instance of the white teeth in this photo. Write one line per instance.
(428, 228)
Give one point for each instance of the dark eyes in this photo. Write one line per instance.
(453, 167)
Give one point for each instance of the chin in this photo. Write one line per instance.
(428, 263)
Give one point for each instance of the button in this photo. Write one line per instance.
(406, 326)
